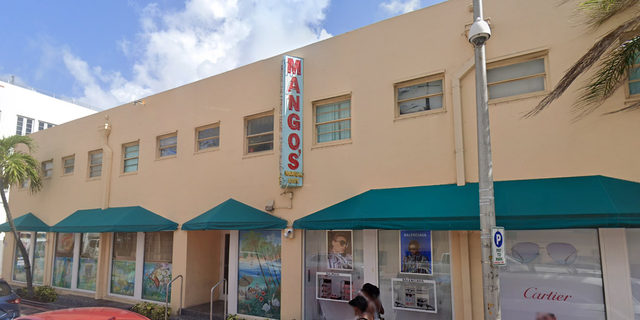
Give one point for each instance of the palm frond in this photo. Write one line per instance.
(609, 77)
(588, 60)
(20, 166)
(597, 12)
(11, 142)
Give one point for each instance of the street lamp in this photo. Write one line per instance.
(478, 36)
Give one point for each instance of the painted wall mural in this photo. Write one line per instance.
(62, 270)
(123, 275)
(38, 258)
(259, 273)
(156, 277)
(87, 269)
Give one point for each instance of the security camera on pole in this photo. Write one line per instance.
(478, 35)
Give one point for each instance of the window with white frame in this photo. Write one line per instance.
(419, 95)
(24, 126)
(167, 145)
(332, 119)
(259, 133)
(44, 125)
(131, 153)
(88, 261)
(634, 78)
(47, 169)
(68, 164)
(507, 79)
(208, 137)
(63, 260)
(75, 261)
(36, 256)
(156, 260)
(95, 164)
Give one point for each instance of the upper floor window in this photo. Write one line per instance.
(24, 126)
(259, 133)
(208, 137)
(47, 169)
(24, 184)
(420, 95)
(507, 79)
(95, 164)
(44, 125)
(131, 154)
(167, 145)
(634, 78)
(68, 164)
(333, 119)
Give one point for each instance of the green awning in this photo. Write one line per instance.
(558, 203)
(27, 222)
(123, 219)
(234, 215)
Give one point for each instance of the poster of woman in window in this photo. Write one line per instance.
(339, 246)
(415, 252)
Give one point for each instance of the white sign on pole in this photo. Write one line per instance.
(498, 253)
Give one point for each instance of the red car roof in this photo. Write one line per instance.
(96, 313)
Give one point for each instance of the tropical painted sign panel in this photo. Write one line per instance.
(156, 277)
(259, 273)
(123, 277)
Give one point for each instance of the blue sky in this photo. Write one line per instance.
(107, 53)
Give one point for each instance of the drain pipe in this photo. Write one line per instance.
(457, 120)
(107, 160)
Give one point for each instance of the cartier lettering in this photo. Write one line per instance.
(533, 293)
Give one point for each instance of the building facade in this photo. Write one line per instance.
(378, 128)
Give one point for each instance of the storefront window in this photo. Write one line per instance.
(88, 264)
(63, 261)
(123, 269)
(633, 239)
(18, 266)
(552, 274)
(158, 252)
(38, 257)
(415, 274)
(259, 273)
(334, 263)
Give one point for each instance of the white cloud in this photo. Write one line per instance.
(207, 37)
(400, 6)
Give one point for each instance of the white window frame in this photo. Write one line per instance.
(89, 165)
(137, 290)
(31, 253)
(413, 82)
(247, 136)
(44, 125)
(74, 267)
(124, 157)
(516, 60)
(323, 102)
(44, 170)
(65, 166)
(158, 148)
(198, 140)
(22, 122)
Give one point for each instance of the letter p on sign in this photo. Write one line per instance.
(498, 254)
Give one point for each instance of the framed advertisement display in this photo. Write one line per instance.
(414, 295)
(416, 252)
(340, 250)
(334, 286)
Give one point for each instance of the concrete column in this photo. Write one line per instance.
(292, 272)
(179, 267)
(370, 256)
(616, 274)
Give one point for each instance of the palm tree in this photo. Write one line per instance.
(17, 166)
(613, 56)
(250, 245)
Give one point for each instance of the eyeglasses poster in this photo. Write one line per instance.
(415, 252)
(552, 275)
(340, 250)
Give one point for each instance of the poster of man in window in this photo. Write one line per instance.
(415, 252)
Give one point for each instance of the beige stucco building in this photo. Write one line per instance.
(387, 106)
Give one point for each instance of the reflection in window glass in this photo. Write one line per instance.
(401, 260)
(552, 272)
(420, 97)
(158, 254)
(328, 290)
(18, 265)
(38, 257)
(63, 261)
(123, 268)
(516, 79)
(88, 264)
(260, 134)
(333, 121)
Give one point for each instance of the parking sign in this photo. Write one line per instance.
(498, 253)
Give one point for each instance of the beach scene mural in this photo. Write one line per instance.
(38, 258)
(62, 272)
(123, 275)
(87, 274)
(259, 277)
(156, 277)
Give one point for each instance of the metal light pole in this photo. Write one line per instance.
(478, 35)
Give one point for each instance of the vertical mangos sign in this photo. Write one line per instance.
(291, 139)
